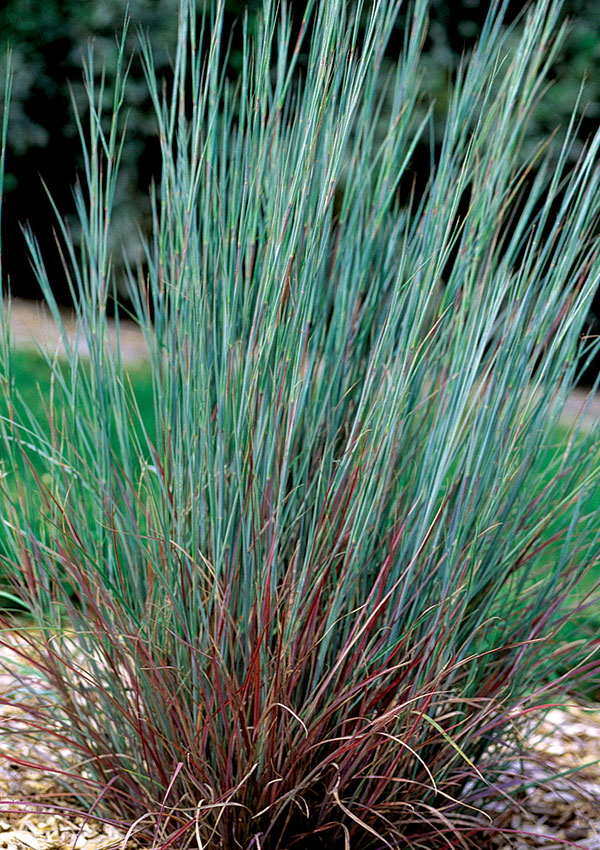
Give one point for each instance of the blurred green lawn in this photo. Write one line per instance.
(31, 376)
(32, 381)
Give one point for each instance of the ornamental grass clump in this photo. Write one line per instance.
(312, 604)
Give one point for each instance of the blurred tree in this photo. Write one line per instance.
(49, 39)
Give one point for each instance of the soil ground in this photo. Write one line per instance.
(32, 326)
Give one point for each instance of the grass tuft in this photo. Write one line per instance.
(313, 603)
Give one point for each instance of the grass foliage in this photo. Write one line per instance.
(313, 599)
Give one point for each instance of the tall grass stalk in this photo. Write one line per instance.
(313, 603)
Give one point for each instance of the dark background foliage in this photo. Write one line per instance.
(49, 41)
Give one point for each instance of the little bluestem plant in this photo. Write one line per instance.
(313, 603)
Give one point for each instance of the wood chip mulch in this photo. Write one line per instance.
(24, 823)
(562, 806)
